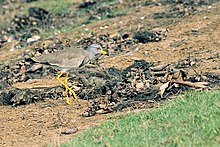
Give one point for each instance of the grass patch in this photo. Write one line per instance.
(102, 10)
(55, 6)
(190, 120)
(60, 7)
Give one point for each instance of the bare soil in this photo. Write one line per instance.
(41, 124)
(197, 36)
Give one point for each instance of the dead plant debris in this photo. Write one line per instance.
(112, 89)
(108, 89)
(175, 37)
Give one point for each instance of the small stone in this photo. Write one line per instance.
(15, 67)
(109, 92)
(192, 63)
(70, 131)
(206, 17)
(76, 88)
(140, 85)
(86, 114)
(103, 27)
(12, 49)
(102, 106)
(34, 23)
(142, 18)
(101, 111)
(147, 84)
(33, 39)
(35, 67)
(46, 52)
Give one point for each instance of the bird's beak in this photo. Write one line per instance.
(103, 52)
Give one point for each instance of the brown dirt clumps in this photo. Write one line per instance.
(183, 36)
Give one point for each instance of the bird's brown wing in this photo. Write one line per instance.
(69, 58)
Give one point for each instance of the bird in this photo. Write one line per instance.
(69, 59)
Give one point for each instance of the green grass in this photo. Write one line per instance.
(190, 120)
(60, 6)
(53, 6)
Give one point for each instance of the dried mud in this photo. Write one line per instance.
(156, 52)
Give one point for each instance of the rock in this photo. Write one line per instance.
(88, 113)
(139, 85)
(145, 36)
(35, 67)
(34, 38)
(102, 106)
(70, 131)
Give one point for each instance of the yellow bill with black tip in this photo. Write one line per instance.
(103, 52)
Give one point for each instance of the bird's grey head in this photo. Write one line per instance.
(95, 49)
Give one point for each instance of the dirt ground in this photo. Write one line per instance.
(40, 124)
(197, 36)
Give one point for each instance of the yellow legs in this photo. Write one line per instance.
(65, 84)
(67, 92)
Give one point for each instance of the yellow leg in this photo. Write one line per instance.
(67, 92)
(66, 86)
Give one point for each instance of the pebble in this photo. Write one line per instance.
(12, 49)
(102, 106)
(139, 85)
(70, 131)
(33, 39)
(142, 18)
(35, 67)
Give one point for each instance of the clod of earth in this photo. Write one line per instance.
(70, 131)
(113, 90)
(145, 36)
(108, 89)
